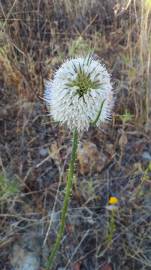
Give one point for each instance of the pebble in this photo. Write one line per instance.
(146, 155)
(23, 259)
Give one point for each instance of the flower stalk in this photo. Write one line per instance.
(68, 190)
(111, 226)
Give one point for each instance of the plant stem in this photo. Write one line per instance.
(111, 226)
(65, 203)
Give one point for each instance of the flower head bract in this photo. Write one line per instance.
(77, 91)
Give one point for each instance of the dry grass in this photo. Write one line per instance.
(36, 37)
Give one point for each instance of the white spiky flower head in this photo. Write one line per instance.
(79, 88)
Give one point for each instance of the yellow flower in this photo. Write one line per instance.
(113, 200)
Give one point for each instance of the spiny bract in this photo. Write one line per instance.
(77, 91)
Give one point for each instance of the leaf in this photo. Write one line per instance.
(123, 140)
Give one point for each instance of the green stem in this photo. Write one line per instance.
(65, 203)
(111, 226)
(99, 113)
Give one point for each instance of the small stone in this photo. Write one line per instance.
(146, 155)
(43, 152)
(22, 259)
(90, 159)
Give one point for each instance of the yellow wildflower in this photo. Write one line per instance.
(113, 200)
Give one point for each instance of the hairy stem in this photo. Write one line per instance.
(60, 232)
